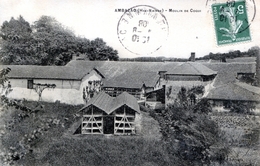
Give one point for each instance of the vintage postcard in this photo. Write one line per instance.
(139, 82)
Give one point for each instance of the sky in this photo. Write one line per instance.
(185, 32)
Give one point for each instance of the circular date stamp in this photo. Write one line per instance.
(142, 29)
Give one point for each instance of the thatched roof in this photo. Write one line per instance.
(133, 80)
(191, 68)
(126, 74)
(239, 67)
(241, 59)
(224, 77)
(129, 74)
(234, 91)
(101, 101)
(47, 72)
(109, 104)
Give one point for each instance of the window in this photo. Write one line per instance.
(227, 104)
(29, 84)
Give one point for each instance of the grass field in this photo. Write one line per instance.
(46, 138)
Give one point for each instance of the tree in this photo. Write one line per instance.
(3, 79)
(252, 52)
(40, 87)
(47, 42)
(93, 88)
(3, 75)
(182, 99)
(16, 41)
(100, 51)
(55, 44)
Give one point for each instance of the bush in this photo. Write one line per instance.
(28, 134)
(144, 109)
(188, 132)
(242, 107)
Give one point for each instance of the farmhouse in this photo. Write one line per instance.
(74, 83)
(104, 114)
(69, 82)
(190, 71)
(239, 69)
(188, 75)
(230, 85)
(136, 78)
(222, 96)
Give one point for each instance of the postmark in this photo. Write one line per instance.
(142, 29)
(231, 22)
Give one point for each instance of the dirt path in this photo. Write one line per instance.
(150, 127)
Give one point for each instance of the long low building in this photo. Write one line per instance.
(69, 82)
(221, 97)
(190, 71)
(75, 81)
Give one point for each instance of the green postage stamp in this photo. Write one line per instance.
(231, 22)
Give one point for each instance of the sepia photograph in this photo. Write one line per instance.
(133, 83)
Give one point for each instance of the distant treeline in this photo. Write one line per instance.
(214, 56)
(230, 55)
(154, 59)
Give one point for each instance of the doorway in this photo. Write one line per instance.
(108, 122)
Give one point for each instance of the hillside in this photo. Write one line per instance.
(44, 137)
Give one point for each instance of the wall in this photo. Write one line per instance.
(69, 96)
(183, 78)
(21, 83)
(218, 106)
(61, 84)
(69, 92)
(92, 76)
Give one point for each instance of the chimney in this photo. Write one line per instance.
(257, 52)
(192, 56)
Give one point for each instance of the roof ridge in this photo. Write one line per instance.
(194, 67)
(244, 84)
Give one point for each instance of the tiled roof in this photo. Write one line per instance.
(248, 87)
(235, 91)
(117, 74)
(224, 77)
(227, 72)
(130, 74)
(109, 104)
(126, 74)
(47, 72)
(102, 101)
(133, 80)
(238, 67)
(191, 68)
(124, 99)
(242, 59)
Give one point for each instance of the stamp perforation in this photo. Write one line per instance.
(250, 34)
